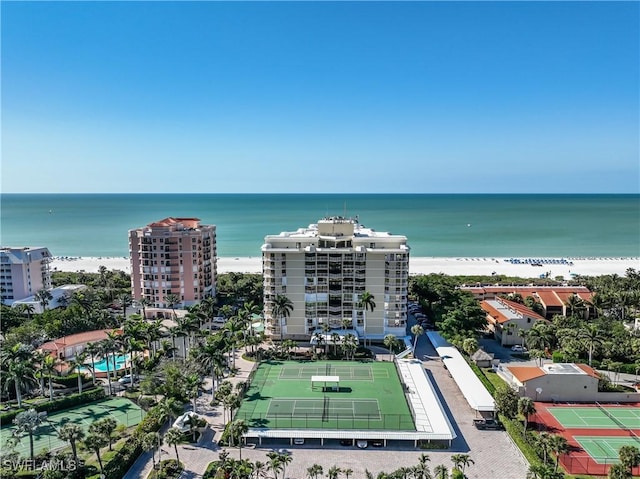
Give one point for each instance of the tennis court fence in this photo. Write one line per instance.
(584, 464)
(329, 420)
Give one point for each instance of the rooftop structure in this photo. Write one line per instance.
(472, 389)
(325, 268)
(173, 256)
(23, 272)
(509, 320)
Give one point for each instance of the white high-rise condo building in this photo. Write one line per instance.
(325, 269)
(173, 256)
(23, 272)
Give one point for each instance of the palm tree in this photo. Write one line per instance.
(192, 385)
(366, 303)
(461, 461)
(544, 444)
(150, 442)
(124, 301)
(540, 336)
(21, 374)
(27, 422)
(592, 338)
(441, 472)
(526, 407)
(49, 368)
(107, 346)
(169, 408)
(417, 331)
(558, 445)
(275, 463)
(172, 300)
(333, 472)
(325, 333)
(173, 437)
(347, 472)
(575, 305)
(350, 345)
(143, 303)
(94, 442)
(238, 429)
(421, 471)
(390, 342)
(192, 420)
(43, 297)
(285, 460)
(72, 433)
(335, 339)
(76, 364)
(314, 471)
(259, 470)
(105, 428)
(282, 309)
(93, 350)
(28, 309)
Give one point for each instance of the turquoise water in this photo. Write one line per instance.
(120, 363)
(435, 225)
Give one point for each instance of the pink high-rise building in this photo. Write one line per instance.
(173, 256)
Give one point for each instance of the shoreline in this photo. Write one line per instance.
(453, 266)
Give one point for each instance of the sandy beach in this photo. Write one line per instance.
(565, 267)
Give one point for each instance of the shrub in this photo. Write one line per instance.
(457, 474)
(169, 469)
(58, 404)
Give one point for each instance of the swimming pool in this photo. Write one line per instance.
(120, 362)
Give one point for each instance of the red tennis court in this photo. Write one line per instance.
(595, 433)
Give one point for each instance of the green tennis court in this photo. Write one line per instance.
(602, 417)
(368, 396)
(604, 449)
(122, 410)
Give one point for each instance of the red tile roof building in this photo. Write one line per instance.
(552, 298)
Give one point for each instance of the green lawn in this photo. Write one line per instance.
(122, 410)
(370, 396)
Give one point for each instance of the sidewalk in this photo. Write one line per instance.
(196, 457)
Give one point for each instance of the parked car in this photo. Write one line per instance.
(518, 348)
(362, 444)
(377, 443)
(126, 379)
(487, 424)
(298, 441)
(346, 442)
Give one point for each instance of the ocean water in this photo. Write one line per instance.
(435, 225)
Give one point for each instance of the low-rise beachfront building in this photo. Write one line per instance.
(60, 296)
(509, 320)
(173, 256)
(561, 382)
(555, 300)
(324, 270)
(23, 272)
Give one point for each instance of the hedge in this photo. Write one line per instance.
(68, 381)
(57, 405)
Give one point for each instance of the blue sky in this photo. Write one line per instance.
(420, 97)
